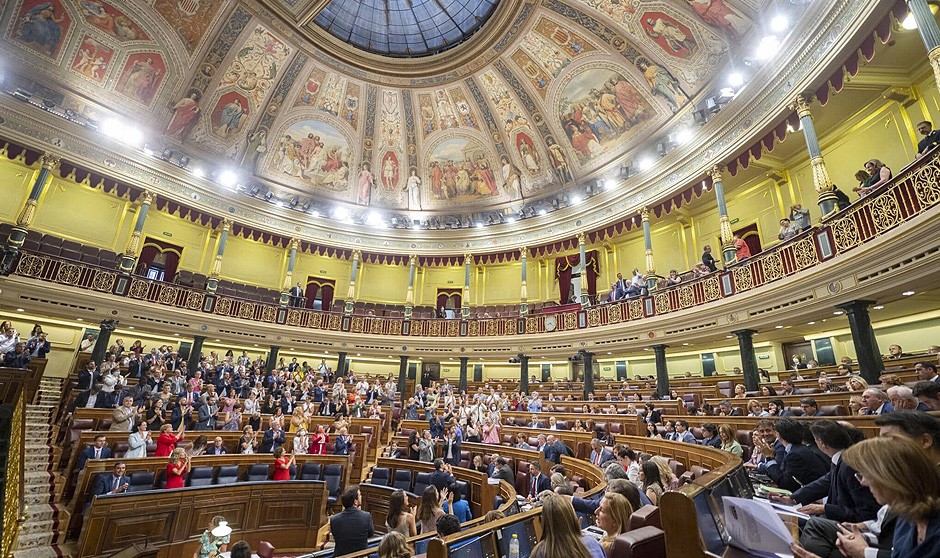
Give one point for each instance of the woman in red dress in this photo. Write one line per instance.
(282, 465)
(176, 468)
(166, 442)
(318, 442)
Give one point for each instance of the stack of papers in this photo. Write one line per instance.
(755, 526)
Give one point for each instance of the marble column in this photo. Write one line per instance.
(132, 252)
(662, 372)
(821, 181)
(100, 350)
(213, 282)
(929, 33)
(194, 353)
(28, 212)
(272, 357)
(351, 291)
(588, 361)
(523, 373)
(585, 300)
(462, 383)
(729, 254)
(870, 364)
(410, 295)
(465, 299)
(340, 365)
(289, 276)
(402, 378)
(523, 289)
(748, 358)
(648, 246)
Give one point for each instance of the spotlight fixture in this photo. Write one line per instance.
(779, 24)
(479, 224)
(269, 196)
(542, 211)
(293, 202)
(305, 207)
(575, 200)
(255, 191)
(199, 173)
(768, 48)
(646, 164)
(736, 79)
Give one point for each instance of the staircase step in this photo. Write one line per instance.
(34, 540)
(40, 552)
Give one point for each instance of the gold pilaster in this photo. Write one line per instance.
(934, 56)
(650, 265)
(523, 288)
(821, 180)
(410, 295)
(26, 215)
(801, 105)
(724, 224)
(715, 174)
(351, 291)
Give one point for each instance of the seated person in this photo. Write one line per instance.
(673, 278)
(799, 465)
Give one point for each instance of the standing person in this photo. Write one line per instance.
(426, 448)
(741, 249)
(178, 466)
(401, 516)
(800, 217)
(137, 442)
(708, 259)
(431, 509)
(282, 464)
(352, 527)
(167, 440)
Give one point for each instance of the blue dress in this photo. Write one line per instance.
(905, 539)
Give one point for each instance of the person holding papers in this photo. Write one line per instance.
(800, 465)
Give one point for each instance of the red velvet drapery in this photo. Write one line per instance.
(563, 268)
(325, 287)
(149, 252)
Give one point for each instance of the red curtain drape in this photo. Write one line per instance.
(149, 253)
(564, 265)
(310, 293)
(327, 296)
(325, 287)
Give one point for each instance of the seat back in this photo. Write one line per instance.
(402, 480)
(380, 476)
(646, 516)
(645, 542)
(257, 472)
(522, 483)
(265, 550)
(200, 476)
(333, 476)
(310, 471)
(140, 481)
(422, 481)
(227, 474)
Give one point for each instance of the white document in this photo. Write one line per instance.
(755, 526)
(788, 509)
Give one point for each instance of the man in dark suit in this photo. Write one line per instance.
(875, 402)
(927, 372)
(441, 477)
(931, 137)
(216, 448)
(846, 498)
(88, 376)
(208, 413)
(549, 449)
(599, 453)
(499, 469)
(273, 438)
(115, 482)
(726, 409)
(555, 425)
(98, 450)
(451, 448)
(296, 293)
(537, 481)
(800, 464)
(93, 398)
(810, 407)
(352, 527)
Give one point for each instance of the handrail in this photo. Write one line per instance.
(14, 383)
(912, 192)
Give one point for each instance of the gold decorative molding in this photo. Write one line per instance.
(715, 174)
(821, 180)
(582, 239)
(801, 105)
(645, 214)
(50, 161)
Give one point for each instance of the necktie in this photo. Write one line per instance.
(116, 481)
(532, 489)
(97, 453)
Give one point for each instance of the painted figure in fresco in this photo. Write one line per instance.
(719, 14)
(142, 80)
(559, 163)
(413, 187)
(311, 152)
(184, 114)
(41, 27)
(230, 119)
(674, 40)
(661, 83)
(90, 63)
(437, 181)
(486, 182)
(257, 146)
(366, 184)
(530, 157)
(511, 181)
(118, 25)
(389, 171)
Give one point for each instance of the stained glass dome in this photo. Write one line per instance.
(405, 28)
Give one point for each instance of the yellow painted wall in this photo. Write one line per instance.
(80, 213)
(435, 278)
(197, 241)
(383, 283)
(312, 265)
(16, 180)
(255, 263)
(502, 284)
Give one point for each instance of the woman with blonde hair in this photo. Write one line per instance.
(394, 545)
(856, 383)
(855, 405)
(177, 467)
(755, 409)
(613, 516)
(667, 477)
(728, 442)
(561, 532)
(740, 392)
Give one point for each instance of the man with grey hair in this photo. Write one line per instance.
(875, 402)
(902, 398)
(617, 481)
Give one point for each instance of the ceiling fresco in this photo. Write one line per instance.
(572, 87)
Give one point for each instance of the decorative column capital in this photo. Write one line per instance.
(49, 161)
(582, 239)
(645, 214)
(524, 252)
(801, 105)
(356, 255)
(413, 260)
(715, 174)
(225, 226)
(147, 197)
(294, 244)
(467, 259)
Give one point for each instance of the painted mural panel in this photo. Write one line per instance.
(459, 170)
(92, 59)
(547, 50)
(256, 65)
(141, 77)
(191, 19)
(111, 21)
(41, 26)
(721, 16)
(229, 114)
(185, 113)
(311, 152)
(598, 108)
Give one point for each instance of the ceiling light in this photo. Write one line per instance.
(373, 218)
(340, 213)
(646, 349)
(118, 130)
(130, 327)
(810, 323)
(416, 227)
(736, 79)
(729, 336)
(779, 24)
(198, 172)
(575, 200)
(683, 136)
(20, 310)
(479, 224)
(685, 344)
(910, 24)
(607, 353)
(218, 340)
(542, 212)
(778, 327)
(879, 307)
(510, 220)
(256, 344)
(908, 293)
(838, 313)
(609, 184)
(279, 203)
(645, 164)
(768, 48)
(228, 179)
(176, 335)
(358, 354)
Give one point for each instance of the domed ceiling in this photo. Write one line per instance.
(527, 97)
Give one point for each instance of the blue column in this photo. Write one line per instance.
(724, 222)
(351, 291)
(929, 33)
(465, 300)
(129, 257)
(289, 276)
(410, 295)
(648, 245)
(524, 289)
(213, 283)
(26, 215)
(585, 300)
(821, 181)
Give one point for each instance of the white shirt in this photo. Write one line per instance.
(8, 344)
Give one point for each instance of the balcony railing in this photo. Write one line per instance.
(915, 190)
